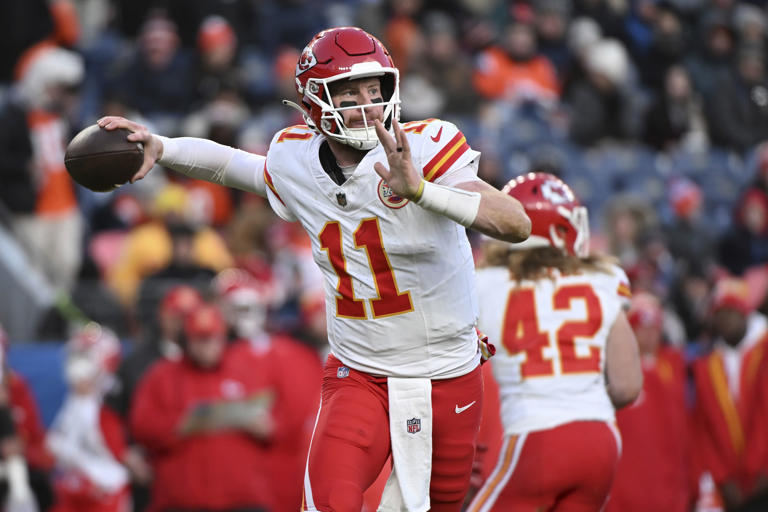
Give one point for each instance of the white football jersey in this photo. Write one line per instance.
(550, 336)
(399, 279)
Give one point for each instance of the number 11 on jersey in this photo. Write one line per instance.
(367, 236)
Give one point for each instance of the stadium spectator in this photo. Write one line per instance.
(149, 247)
(667, 47)
(87, 439)
(710, 64)
(676, 118)
(181, 269)
(438, 79)
(157, 81)
(514, 71)
(551, 18)
(567, 357)
(160, 339)
(749, 23)
(245, 303)
(738, 113)
(726, 382)
(746, 243)
(403, 34)
(599, 103)
(204, 420)
(688, 236)
(215, 67)
(23, 443)
(34, 185)
(608, 15)
(655, 441)
(628, 222)
(332, 178)
(582, 34)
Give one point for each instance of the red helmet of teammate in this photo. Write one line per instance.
(344, 53)
(557, 217)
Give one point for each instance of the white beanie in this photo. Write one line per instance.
(609, 58)
(583, 33)
(50, 67)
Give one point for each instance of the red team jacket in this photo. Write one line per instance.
(726, 427)
(654, 469)
(228, 469)
(29, 426)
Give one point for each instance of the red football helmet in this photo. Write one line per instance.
(557, 217)
(345, 53)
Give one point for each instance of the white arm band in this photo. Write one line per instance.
(206, 160)
(456, 204)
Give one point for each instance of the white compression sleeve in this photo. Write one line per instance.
(206, 160)
(456, 204)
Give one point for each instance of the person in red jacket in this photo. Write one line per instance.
(727, 384)
(205, 421)
(245, 301)
(25, 460)
(654, 429)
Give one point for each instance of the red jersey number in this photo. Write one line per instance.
(521, 332)
(367, 236)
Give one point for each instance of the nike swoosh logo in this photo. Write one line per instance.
(437, 138)
(460, 410)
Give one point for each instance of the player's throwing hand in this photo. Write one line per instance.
(401, 176)
(153, 148)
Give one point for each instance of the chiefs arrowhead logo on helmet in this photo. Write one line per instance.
(306, 61)
(557, 217)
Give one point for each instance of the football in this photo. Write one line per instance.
(102, 160)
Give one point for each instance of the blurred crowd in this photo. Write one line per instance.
(656, 111)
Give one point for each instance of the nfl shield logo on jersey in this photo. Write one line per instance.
(414, 425)
(341, 198)
(342, 372)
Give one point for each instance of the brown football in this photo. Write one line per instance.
(102, 160)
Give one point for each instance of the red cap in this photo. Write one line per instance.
(733, 293)
(216, 32)
(684, 196)
(180, 300)
(645, 311)
(205, 321)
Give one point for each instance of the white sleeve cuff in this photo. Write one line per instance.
(456, 204)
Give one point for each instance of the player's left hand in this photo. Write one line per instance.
(401, 176)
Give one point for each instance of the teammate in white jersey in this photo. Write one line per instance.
(566, 358)
(386, 208)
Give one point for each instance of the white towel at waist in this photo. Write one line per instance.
(410, 426)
